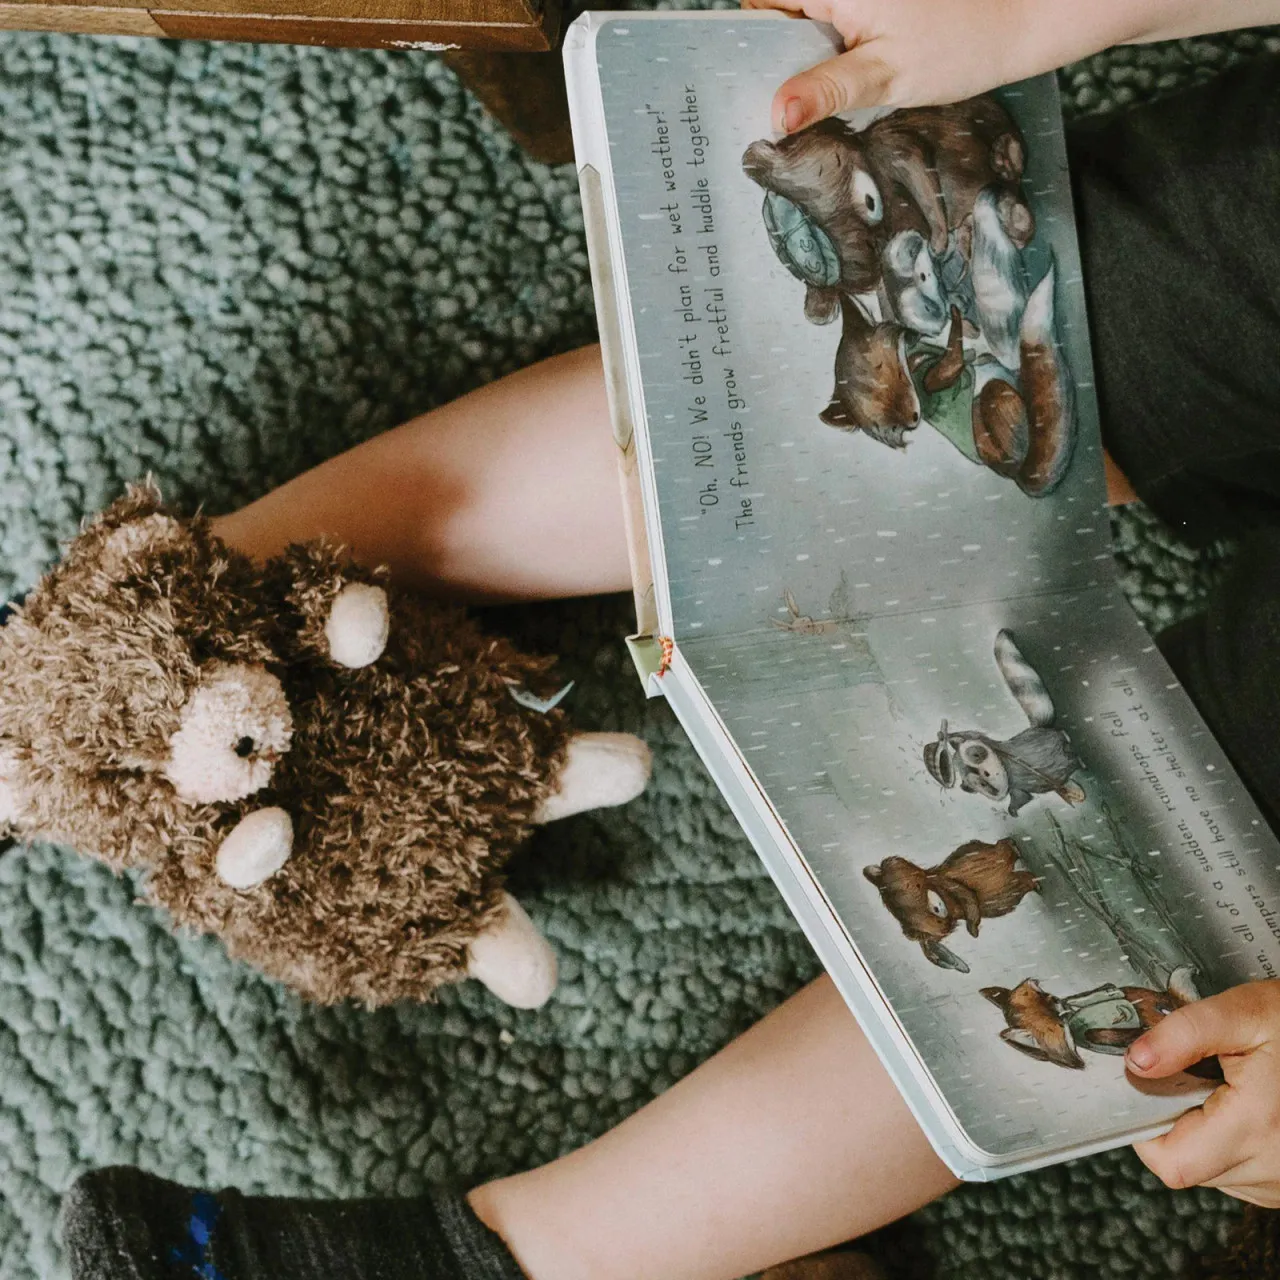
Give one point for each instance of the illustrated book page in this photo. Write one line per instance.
(865, 440)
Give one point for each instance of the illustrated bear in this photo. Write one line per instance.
(912, 232)
(978, 881)
(913, 171)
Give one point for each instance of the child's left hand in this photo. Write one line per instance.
(1232, 1142)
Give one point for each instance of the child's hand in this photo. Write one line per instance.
(903, 53)
(1233, 1141)
(909, 53)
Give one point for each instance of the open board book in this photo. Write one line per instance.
(851, 386)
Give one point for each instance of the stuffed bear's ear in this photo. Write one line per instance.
(138, 501)
(126, 542)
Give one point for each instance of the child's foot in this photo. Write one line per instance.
(122, 1224)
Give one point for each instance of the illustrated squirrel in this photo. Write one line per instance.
(1105, 1020)
(978, 881)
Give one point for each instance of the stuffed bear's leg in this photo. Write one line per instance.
(513, 959)
(600, 769)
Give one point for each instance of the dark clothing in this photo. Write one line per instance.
(122, 1224)
(1178, 206)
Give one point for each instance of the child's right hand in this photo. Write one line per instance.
(904, 53)
(909, 53)
(1233, 1141)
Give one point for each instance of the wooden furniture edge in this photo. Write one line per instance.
(540, 33)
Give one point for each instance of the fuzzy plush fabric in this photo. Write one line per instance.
(158, 691)
(222, 263)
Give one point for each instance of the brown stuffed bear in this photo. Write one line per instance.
(324, 771)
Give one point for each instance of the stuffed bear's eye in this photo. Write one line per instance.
(866, 198)
(244, 748)
(974, 753)
(936, 904)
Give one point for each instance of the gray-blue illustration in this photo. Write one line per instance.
(1072, 840)
(1105, 1020)
(913, 232)
(984, 880)
(1038, 760)
(977, 882)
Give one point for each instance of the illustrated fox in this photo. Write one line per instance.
(1106, 1020)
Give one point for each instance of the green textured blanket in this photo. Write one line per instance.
(220, 264)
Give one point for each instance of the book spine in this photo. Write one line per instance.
(605, 290)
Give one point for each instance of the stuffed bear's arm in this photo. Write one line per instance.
(343, 605)
(101, 818)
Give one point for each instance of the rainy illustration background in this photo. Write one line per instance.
(852, 603)
(922, 525)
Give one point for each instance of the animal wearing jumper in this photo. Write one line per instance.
(912, 232)
(1106, 1020)
(326, 772)
(913, 172)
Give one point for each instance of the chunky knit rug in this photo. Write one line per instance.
(221, 264)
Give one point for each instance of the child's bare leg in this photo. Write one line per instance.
(790, 1140)
(510, 492)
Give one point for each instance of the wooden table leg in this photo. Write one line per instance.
(525, 93)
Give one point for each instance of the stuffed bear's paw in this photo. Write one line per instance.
(258, 846)
(358, 625)
(513, 959)
(10, 801)
(600, 770)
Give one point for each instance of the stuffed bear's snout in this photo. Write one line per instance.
(235, 726)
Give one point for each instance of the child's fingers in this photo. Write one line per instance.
(854, 79)
(806, 7)
(1237, 1021)
(1204, 1146)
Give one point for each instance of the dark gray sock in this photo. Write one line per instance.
(123, 1224)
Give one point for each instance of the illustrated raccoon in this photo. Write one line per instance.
(1037, 761)
(978, 881)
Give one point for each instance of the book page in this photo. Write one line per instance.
(1031, 840)
(863, 351)
(866, 396)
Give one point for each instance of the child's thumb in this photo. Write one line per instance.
(1237, 1021)
(854, 79)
